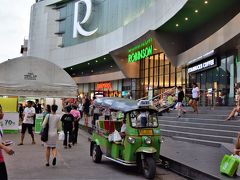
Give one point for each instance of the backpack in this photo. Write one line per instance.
(68, 118)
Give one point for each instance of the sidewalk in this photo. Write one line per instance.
(203, 158)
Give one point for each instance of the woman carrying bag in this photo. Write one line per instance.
(52, 122)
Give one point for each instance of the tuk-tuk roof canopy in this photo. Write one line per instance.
(119, 104)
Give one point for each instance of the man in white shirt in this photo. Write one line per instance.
(28, 121)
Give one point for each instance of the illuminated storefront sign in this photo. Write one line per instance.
(140, 51)
(202, 66)
(101, 86)
(77, 28)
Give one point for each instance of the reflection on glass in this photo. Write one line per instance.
(166, 84)
(172, 69)
(151, 61)
(161, 69)
(161, 81)
(166, 69)
(179, 79)
(161, 59)
(172, 79)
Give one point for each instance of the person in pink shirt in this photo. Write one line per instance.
(77, 116)
(9, 151)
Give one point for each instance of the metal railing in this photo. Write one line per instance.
(159, 95)
(209, 98)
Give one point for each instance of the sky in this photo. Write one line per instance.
(15, 20)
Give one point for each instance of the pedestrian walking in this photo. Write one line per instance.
(86, 107)
(96, 113)
(77, 116)
(53, 121)
(46, 111)
(179, 105)
(28, 120)
(80, 108)
(67, 125)
(195, 97)
(37, 106)
(9, 151)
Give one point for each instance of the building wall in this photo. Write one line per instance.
(44, 43)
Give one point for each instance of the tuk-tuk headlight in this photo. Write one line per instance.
(131, 140)
(148, 140)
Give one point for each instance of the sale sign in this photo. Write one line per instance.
(10, 122)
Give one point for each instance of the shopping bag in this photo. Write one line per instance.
(229, 165)
(116, 136)
(61, 136)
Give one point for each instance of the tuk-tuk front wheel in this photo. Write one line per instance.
(96, 154)
(149, 167)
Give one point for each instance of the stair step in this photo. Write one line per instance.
(220, 112)
(207, 131)
(200, 125)
(170, 133)
(203, 116)
(198, 141)
(201, 120)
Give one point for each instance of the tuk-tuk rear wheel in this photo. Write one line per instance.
(96, 154)
(149, 167)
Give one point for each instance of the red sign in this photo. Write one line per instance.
(101, 86)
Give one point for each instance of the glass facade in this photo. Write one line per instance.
(157, 74)
(116, 14)
(217, 85)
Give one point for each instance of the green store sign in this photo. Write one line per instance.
(140, 51)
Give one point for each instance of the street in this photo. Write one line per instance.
(29, 163)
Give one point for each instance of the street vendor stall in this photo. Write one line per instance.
(31, 77)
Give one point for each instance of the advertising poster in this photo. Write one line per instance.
(38, 123)
(10, 122)
(9, 104)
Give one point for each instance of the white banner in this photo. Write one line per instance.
(10, 121)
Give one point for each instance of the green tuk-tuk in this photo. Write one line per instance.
(140, 143)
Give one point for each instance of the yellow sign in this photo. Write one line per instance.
(145, 132)
(9, 104)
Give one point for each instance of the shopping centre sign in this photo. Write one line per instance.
(101, 86)
(202, 66)
(140, 51)
(77, 26)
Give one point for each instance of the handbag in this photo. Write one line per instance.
(44, 132)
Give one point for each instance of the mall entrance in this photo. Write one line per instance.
(157, 75)
(218, 83)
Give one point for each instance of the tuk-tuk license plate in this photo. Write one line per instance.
(145, 132)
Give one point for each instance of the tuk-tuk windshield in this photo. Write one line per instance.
(143, 118)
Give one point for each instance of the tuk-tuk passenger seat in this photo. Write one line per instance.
(109, 126)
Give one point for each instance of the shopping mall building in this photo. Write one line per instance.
(145, 47)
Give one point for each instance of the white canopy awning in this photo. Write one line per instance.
(31, 76)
